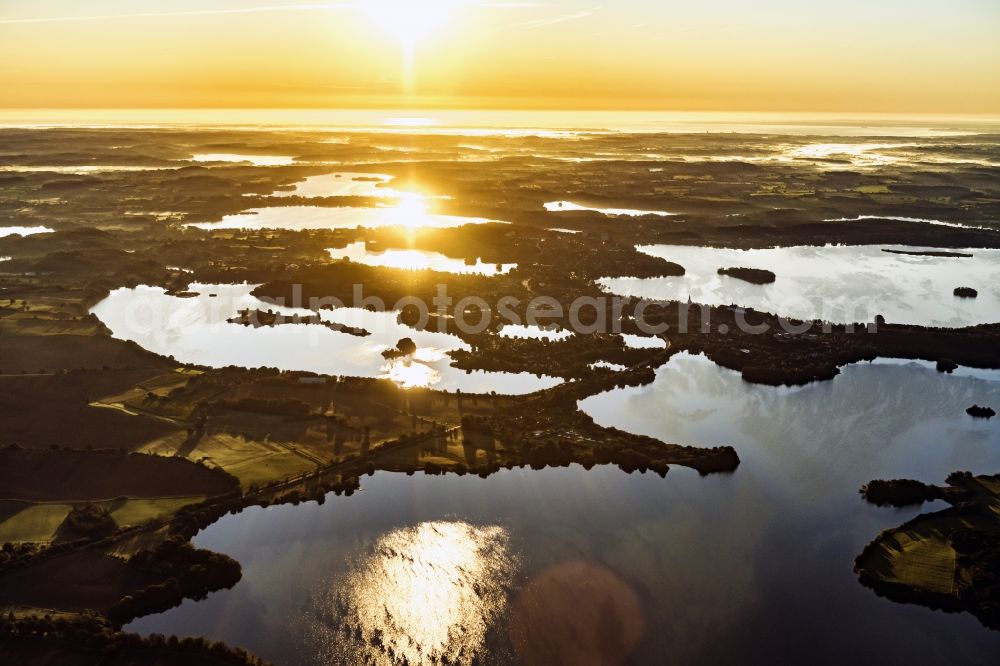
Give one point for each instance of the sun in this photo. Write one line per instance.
(409, 21)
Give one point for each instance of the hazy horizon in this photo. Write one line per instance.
(721, 55)
(514, 121)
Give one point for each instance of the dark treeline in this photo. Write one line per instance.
(91, 636)
(186, 572)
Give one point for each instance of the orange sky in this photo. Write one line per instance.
(919, 56)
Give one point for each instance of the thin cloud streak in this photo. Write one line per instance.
(542, 23)
(195, 12)
(311, 7)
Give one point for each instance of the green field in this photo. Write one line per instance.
(34, 523)
(923, 559)
(137, 511)
(38, 523)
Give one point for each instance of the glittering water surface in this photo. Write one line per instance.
(426, 593)
(605, 567)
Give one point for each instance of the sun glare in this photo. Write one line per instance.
(409, 374)
(412, 210)
(429, 593)
(409, 21)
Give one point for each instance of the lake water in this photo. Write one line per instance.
(856, 154)
(298, 218)
(255, 160)
(83, 169)
(754, 566)
(633, 341)
(917, 220)
(416, 260)
(568, 206)
(24, 231)
(608, 365)
(195, 330)
(343, 184)
(532, 332)
(834, 283)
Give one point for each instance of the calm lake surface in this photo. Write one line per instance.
(532, 332)
(194, 329)
(751, 566)
(255, 160)
(569, 206)
(24, 231)
(834, 283)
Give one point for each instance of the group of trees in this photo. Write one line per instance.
(91, 634)
(404, 347)
(91, 520)
(568, 357)
(977, 557)
(751, 275)
(19, 554)
(13, 552)
(185, 572)
(898, 492)
(339, 485)
(775, 364)
(547, 451)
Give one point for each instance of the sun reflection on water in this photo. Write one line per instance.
(425, 594)
(412, 371)
(408, 373)
(416, 260)
(411, 211)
